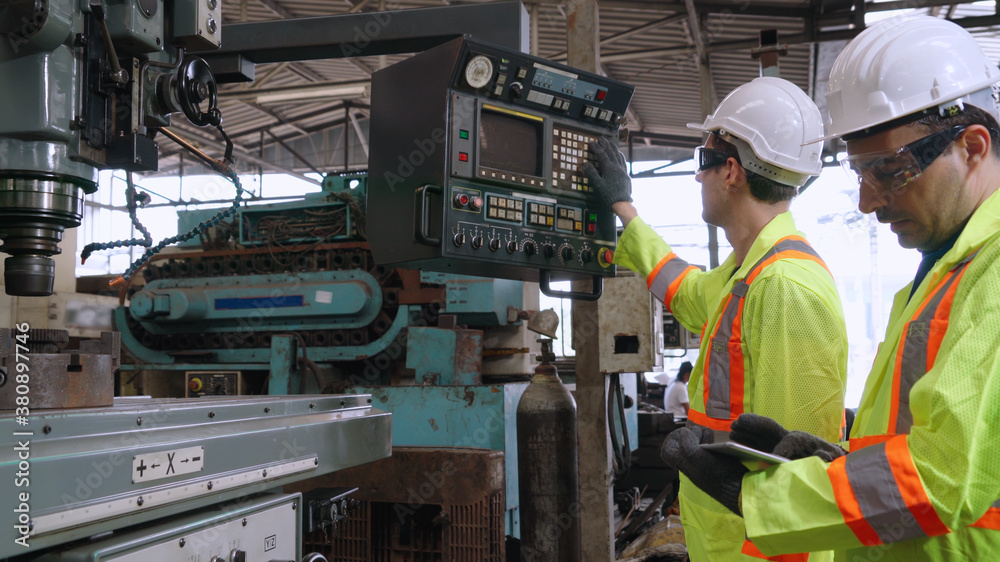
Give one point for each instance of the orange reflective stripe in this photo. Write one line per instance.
(666, 278)
(858, 443)
(656, 270)
(751, 550)
(701, 418)
(737, 376)
(843, 493)
(911, 488)
(989, 520)
(675, 286)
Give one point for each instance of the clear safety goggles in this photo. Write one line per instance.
(894, 169)
(708, 158)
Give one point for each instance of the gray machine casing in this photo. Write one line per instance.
(419, 108)
(90, 470)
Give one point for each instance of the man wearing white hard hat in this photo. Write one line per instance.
(915, 100)
(774, 340)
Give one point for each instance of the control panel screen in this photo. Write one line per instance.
(510, 141)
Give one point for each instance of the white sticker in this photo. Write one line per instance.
(324, 297)
(164, 464)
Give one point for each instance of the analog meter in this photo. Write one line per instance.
(479, 71)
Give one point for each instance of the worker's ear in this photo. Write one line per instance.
(976, 145)
(735, 174)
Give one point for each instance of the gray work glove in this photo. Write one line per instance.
(764, 434)
(719, 476)
(612, 184)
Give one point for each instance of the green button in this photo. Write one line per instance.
(463, 134)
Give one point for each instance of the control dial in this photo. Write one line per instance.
(566, 253)
(515, 89)
(586, 255)
(477, 241)
(479, 71)
(459, 239)
(548, 250)
(529, 248)
(494, 244)
(511, 246)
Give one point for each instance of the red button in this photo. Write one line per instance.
(591, 227)
(463, 200)
(607, 256)
(601, 94)
(463, 156)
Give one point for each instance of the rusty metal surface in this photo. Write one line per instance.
(81, 378)
(453, 475)
(448, 503)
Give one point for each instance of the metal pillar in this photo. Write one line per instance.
(596, 509)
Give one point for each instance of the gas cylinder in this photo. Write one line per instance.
(547, 467)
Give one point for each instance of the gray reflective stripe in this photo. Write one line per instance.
(878, 495)
(667, 275)
(718, 405)
(914, 361)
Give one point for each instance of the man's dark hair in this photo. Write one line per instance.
(763, 189)
(686, 367)
(972, 115)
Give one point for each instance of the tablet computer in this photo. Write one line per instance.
(745, 454)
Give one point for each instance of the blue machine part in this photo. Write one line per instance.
(292, 301)
(236, 358)
(445, 357)
(457, 416)
(478, 301)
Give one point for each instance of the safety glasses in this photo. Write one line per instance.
(708, 158)
(894, 169)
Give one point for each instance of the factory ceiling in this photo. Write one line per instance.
(682, 56)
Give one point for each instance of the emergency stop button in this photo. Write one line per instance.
(606, 256)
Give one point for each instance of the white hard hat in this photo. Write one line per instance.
(775, 120)
(906, 65)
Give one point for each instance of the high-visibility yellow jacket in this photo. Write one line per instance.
(786, 355)
(923, 477)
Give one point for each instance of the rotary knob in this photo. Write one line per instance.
(477, 241)
(515, 89)
(460, 239)
(566, 253)
(586, 255)
(494, 244)
(548, 250)
(511, 246)
(529, 248)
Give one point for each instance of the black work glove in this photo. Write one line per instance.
(719, 476)
(764, 434)
(612, 184)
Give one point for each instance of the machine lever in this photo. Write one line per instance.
(422, 233)
(118, 74)
(595, 293)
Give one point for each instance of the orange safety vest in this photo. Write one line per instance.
(724, 379)
(879, 472)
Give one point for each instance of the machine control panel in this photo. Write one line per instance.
(496, 184)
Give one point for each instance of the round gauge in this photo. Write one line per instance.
(479, 71)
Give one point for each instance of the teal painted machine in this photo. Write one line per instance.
(289, 290)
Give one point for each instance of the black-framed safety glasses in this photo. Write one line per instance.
(708, 158)
(894, 169)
